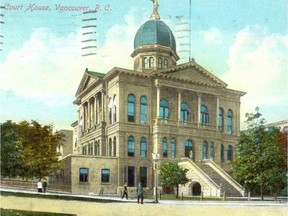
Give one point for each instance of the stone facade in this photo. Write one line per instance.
(124, 116)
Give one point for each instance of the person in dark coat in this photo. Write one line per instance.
(140, 193)
(125, 191)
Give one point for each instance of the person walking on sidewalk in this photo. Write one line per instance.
(39, 186)
(125, 191)
(45, 184)
(140, 193)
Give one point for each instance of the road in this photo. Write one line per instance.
(164, 208)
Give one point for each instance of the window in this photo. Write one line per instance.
(160, 63)
(145, 62)
(164, 147)
(173, 148)
(204, 114)
(110, 147)
(184, 113)
(110, 106)
(83, 174)
(114, 146)
(96, 148)
(188, 148)
(131, 176)
(164, 109)
(220, 117)
(151, 62)
(230, 153)
(105, 175)
(114, 109)
(131, 146)
(131, 108)
(204, 150)
(165, 63)
(229, 121)
(222, 153)
(143, 111)
(143, 176)
(212, 151)
(143, 147)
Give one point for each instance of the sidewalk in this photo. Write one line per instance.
(114, 198)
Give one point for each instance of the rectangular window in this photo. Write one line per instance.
(131, 176)
(105, 175)
(83, 174)
(143, 176)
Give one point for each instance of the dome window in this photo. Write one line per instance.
(146, 63)
(151, 62)
(165, 63)
(160, 63)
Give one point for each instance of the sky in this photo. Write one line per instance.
(43, 56)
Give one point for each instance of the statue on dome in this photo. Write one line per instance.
(155, 14)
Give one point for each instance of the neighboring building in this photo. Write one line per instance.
(281, 125)
(183, 112)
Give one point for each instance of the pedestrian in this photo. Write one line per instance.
(140, 193)
(44, 184)
(39, 186)
(125, 191)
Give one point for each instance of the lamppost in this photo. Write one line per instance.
(156, 157)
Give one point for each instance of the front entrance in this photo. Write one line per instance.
(196, 189)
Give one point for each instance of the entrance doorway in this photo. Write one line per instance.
(196, 189)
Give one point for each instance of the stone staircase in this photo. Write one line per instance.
(230, 190)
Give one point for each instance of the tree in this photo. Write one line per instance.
(10, 151)
(172, 175)
(36, 147)
(259, 165)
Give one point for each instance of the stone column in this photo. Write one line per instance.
(179, 105)
(158, 101)
(217, 112)
(199, 94)
(102, 99)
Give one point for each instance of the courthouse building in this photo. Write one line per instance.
(182, 112)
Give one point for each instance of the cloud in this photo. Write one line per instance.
(211, 34)
(258, 65)
(48, 68)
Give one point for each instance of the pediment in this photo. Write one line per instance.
(192, 72)
(88, 79)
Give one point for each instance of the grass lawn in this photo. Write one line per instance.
(14, 212)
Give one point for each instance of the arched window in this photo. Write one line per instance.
(184, 113)
(110, 147)
(146, 62)
(212, 151)
(164, 109)
(151, 62)
(160, 63)
(131, 146)
(165, 63)
(143, 110)
(114, 146)
(110, 106)
(222, 153)
(188, 148)
(173, 148)
(229, 121)
(114, 109)
(164, 147)
(220, 118)
(204, 150)
(131, 108)
(204, 114)
(230, 153)
(143, 147)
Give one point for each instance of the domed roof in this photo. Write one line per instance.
(155, 32)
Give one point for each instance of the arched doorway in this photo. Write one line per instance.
(196, 189)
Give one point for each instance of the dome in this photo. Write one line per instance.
(155, 32)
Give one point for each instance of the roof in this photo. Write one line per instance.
(155, 32)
